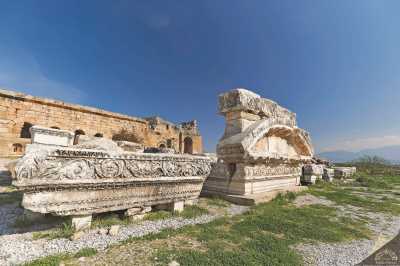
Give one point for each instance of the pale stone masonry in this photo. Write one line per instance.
(262, 149)
(19, 112)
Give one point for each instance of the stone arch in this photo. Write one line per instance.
(169, 143)
(295, 137)
(162, 146)
(253, 143)
(188, 145)
(98, 135)
(17, 148)
(26, 130)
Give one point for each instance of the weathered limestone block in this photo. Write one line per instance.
(100, 144)
(344, 172)
(262, 149)
(80, 182)
(312, 173)
(50, 136)
(329, 174)
(176, 206)
(130, 146)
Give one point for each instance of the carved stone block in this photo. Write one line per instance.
(262, 149)
(50, 136)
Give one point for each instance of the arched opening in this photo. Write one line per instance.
(78, 132)
(162, 146)
(188, 145)
(98, 135)
(17, 148)
(169, 143)
(25, 130)
(55, 127)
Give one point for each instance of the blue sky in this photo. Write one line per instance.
(335, 63)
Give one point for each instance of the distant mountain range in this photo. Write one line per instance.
(390, 153)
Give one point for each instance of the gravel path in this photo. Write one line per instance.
(19, 248)
(385, 227)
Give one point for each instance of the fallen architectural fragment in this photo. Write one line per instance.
(344, 172)
(262, 149)
(77, 181)
(312, 173)
(329, 174)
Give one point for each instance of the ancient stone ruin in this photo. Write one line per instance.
(262, 149)
(99, 176)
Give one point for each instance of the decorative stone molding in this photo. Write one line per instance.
(68, 181)
(262, 148)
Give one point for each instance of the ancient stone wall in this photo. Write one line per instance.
(19, 112)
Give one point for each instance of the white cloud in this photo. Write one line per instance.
(364, 143)
(20, 71)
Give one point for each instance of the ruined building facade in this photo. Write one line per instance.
(19, 112)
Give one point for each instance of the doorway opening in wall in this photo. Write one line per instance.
(17, 148)
(25, 130)
(98, 135)
(162, 146)
(169, 143)
(78, 132)
(188, 145)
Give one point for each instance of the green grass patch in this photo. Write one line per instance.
(109, 219)
(54, 260)
(192, 212)
(262, 236)
(86, 252)
(217, 201)
(158, 215)
(345, 196)
(188, 212)
(64, 231)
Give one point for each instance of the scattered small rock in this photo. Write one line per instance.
(102, 231)
(174, 263)
(76, 235)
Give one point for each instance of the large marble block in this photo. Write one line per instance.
(261, 150)
(51, 136)
(80, 182)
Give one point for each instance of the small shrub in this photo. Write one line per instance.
(53, 260)
(217, 201)
(128, 135)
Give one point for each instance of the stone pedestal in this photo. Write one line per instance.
(81, 222)
(262, 150)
